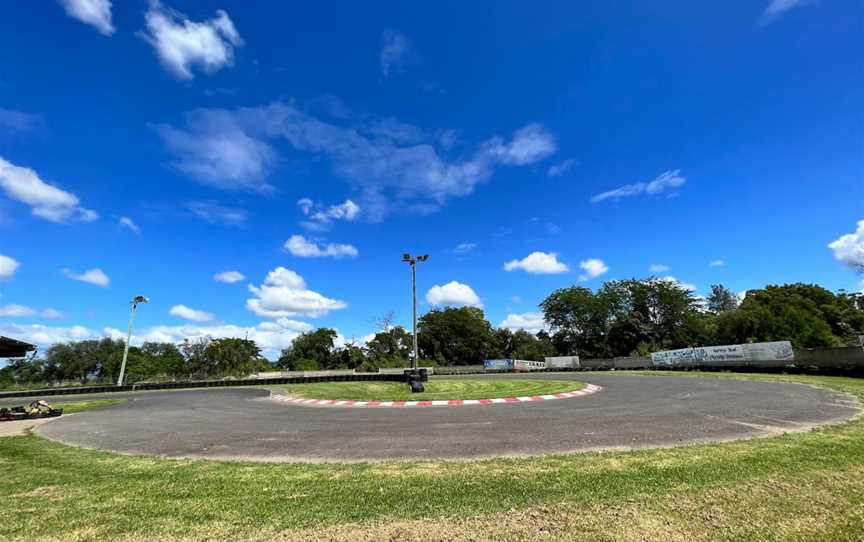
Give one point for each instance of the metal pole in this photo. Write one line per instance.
(414, 299)
(126, 349)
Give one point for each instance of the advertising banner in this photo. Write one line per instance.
(563, 362)
(672, 357)
(780, 350)
(711, 354)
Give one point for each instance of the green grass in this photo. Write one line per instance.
(72, 407)
(805, 486)
(435, 389)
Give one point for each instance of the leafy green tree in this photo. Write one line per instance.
(233, 356)
(721, 299)
(391, 347)
(454, 336)
(317, 346)
(195, 355)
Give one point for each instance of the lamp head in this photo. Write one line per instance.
(140, 299)
(406, 257)
(423, 258)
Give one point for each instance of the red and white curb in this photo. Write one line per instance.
(587, 390)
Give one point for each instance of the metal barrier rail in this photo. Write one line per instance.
(370, 377)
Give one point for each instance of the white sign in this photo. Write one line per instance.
(780, 350)
(672, 357)
(708, 354)
(563, 362)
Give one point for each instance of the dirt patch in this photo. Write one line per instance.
(20, 427)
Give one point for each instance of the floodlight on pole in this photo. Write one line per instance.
(412, 261)
(138, 299)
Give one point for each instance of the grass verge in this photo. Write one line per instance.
(805, 486)
(72, 407)
(435, 389)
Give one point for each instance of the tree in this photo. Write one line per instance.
(316, 346)
(721, 299)
(233, 356)
(194, 353)
(454, 336)
(390, 347)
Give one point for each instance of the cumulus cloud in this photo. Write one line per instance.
(298, 245)
(538, 263)
(45, 200)
(96, 13)
(658, 268)
(849, 248)
(321, 218)
(717, 263)
(8, 311)
(127, 222)
(454, 294)
(665, 181)
(561, 168)
(23, 311)
(420, 177)
(182, 44)
(229, 277)
(395, 53)
(216, 213)
(531, 322)
(8, 266)
(284, 294)
(92, 276)
(592, 268)
(465, 248)
(187, 313)
(270, 336)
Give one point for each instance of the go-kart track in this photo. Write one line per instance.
(627, 412)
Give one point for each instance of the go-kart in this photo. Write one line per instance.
(32, 411)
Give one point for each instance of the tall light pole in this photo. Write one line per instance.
(413, 260)
(138, 299)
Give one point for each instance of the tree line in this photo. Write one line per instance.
(622, 318)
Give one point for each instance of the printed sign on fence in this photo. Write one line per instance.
(709, 354)
(780, 350)
(672, 357)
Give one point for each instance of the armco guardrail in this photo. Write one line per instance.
(368, 377)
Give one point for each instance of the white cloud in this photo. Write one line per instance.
(270, 336)
(92, 276)
(45, 200)
(776, 8)
(455, 294)
(849, 248)
(298, 245)
(321, 218)
(217, 151)
(11, 311)
(561, 168)
(182, 44)
(532, 322)
(96, 13)
(592, 268)
(529, 144)
(186, 313)
(465, 248)
(682, 285)
(127, 222)
(215, 213)
(658, 268)
(229, 277)
(16, 121)
(538, 263)
(665, 181)
(51, 314)
(419, 177)
(717, 263)
(284, 294)
(395, 52)
(8, 266)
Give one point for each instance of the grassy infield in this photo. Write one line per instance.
(806, 486)
(435, 390)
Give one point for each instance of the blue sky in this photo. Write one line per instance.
(147, 147)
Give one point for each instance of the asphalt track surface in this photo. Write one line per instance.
(629, 412)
